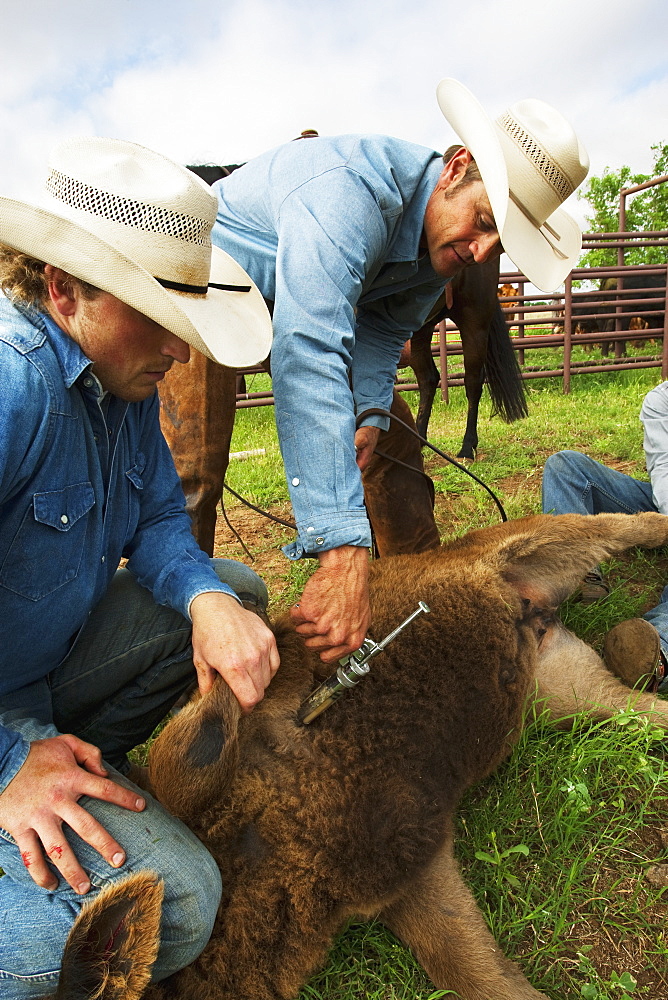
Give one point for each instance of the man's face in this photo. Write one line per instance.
(459, 227)
(130, 353)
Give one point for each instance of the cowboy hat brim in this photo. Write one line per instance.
(529, 248)
(231, 327)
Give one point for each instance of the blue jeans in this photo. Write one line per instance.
(130, 664)
(576, 484)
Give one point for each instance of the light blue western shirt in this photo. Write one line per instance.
(329, 229)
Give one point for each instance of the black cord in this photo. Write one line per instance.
(235, 532)
(258, 510)
(392, 416)
(442, 454)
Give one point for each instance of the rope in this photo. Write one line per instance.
(442, 454)
(392, 416)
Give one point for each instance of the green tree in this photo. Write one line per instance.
(646, 211)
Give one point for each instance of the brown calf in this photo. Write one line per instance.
(353, 814)
(505, 291)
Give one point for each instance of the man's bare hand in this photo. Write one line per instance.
(333, 612)
(366, 439)
(44, 794)
(235, 643)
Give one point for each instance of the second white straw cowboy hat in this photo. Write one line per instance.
(530, 160)
(136, 224)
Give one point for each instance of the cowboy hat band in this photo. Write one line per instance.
(138, 225)
(531, 161)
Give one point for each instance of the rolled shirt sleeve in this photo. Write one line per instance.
(318, 283)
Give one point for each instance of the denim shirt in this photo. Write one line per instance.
(81, 485)
(329, 229)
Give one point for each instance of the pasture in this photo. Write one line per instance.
(566, 847)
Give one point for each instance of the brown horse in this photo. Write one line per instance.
(471, 302)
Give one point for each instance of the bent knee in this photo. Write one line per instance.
(191, 902)
(243, 580)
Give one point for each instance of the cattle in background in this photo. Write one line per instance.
(593, 313)
(635, 314)
(506, 291)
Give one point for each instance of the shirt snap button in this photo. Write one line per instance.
(64, 518)
(295, 482)
(320, 541)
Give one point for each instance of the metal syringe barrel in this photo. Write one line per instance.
(350, 671)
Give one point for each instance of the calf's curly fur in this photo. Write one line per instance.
(353, 814)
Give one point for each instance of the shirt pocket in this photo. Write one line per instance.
(47, 548)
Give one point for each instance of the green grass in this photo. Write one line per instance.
(556, 845)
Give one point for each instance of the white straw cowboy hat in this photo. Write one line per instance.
(138, 225)
(530, 160)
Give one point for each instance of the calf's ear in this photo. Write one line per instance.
(194, 759)
(114, 942)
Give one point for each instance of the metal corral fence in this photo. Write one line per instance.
(609, 306)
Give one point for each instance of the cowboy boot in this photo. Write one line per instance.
(399, 501)
(632, 651)
(198, 402)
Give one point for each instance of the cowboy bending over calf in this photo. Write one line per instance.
(351, 239)
(635, 650)
(106, 286)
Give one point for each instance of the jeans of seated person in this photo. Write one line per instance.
(132, 661)
(575, 484)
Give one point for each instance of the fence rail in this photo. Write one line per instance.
(560, 322)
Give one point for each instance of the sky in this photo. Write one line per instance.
(223, 80)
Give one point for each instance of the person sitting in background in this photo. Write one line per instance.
(635, 650)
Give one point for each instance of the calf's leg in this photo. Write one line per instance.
(439, 920)
(572, 678)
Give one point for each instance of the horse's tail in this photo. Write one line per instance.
(502, 372)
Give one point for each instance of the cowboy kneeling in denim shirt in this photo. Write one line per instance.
(106, 285)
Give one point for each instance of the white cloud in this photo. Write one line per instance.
(221, 81)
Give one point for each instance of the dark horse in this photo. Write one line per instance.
(471, 302)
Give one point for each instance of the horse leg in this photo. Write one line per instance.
(426, 373)
(473, 381)
(439, 920)
(400, 501)
(198, 402)
(474, 304)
